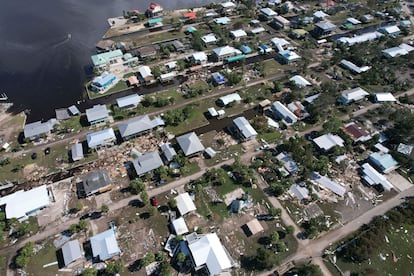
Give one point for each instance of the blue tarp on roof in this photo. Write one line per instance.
(263, 47)
(155, 21)
(218, 78)
(246, 49)
(191, 29)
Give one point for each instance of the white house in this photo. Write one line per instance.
(185, 204)
(328, 141)
(353, 95)
(282, 112)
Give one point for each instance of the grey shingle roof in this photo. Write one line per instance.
(244, 127)
(97, 112)
(94, 181)
(77, 152)
(190, 143)
(105, 245)
(71, 252)
(168, 151)
(135, 126)
(147, 162)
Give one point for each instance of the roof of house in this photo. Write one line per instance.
(328, 183)
(320, 14)
(62, 114)
(147, 162)
(71, 252)
(145, 71)
(38, 128)
(104, 79)
(281, 20)
(289, 55)
(77, 152)
(168, 151)
(254, 226)
(385, 161)
(133, 99)
(73, 110)
(283, 112)
(354, 94)
(326, 25)
(199, 56)
(133, 80)
(300, 81)
(390, 29)
(238, 33)
(218, 78)
(226, 50)
(190, 15)
(288, 163)
(212, 111)
(405, 149)
(359, 38)
(258, 30)
(178, 45)
(210, 152)
(135, 126)
(185, 204)
(353, 21)
(328, 141)
(168, 76)
(97, 112)
(222, 20)
(268, 12)
(190, 143)
(22, 203)
(385, 97)
(104, 58)
(147, 50)
(208, 250)
(155, 20)
(95, 180)
(244, 127)
(373, 177)
(191, 29)
(279, 43)
(99, 138)
(356, 132)
(230, 98)
(228, 4)
(298, 191)
(353, 67)
(180, 227)
(105, 245)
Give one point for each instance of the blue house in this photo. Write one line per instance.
(218, 78)
(246, 49)
(383, 161)
(103, 81)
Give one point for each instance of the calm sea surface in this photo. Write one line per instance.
(40, 68)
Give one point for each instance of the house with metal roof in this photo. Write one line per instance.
(281, 22)
(356, 132)
(222, 20)
(328, 141)
(71, 252)
(104, 60)
(209, 39)
(225, 100)
(288, 56)
(283, 113)
(210, 152)
(246, 49)
(179, 226)
(190, 144)
(244, 129)
(225, 52)
(268, 13)
(208, 252)
(168, 151)
(300, 81)
(145, 74)
(73, 110)
(97, 114)
(102, 138)
(191, 29)
(320, 15)
(95, 182)
(34, 130)
(353, 67)
(103, 81)
(228, 4)
(76, 152)
(298, 192)
(199, 57)
(147, 52)
(104, 245)
(237, 34)
(288, 163)
(323, 28)
(130, 101)
(22, 204)
(154, 9)
(349, 41)
(167, 77)
(147, 163)
(402, 50)
(373, 177)
(353, 95)
(135, 127)
(218, 79)
(155, 21)
(178, 46)
(185, 204)
(280, 44)
(383, 161)
(390, 30)
(328, 184)
(384, 97)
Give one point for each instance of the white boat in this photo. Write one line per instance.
(3, 97)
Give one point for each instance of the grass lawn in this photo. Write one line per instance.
(190, 169)
(44, 256)
(224, 154)
(71, 123)
(3, 265)
(196, 119)
(271, 66)
(400, 243)
(270, 137)
(128, 75)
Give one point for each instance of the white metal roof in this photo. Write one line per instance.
(71, 251)
(280, 42)
(401, 50)
(22, 203)
(100, 137)
(212, 111)
(283, 113)
(258, 30)
(298, 191)
(210, 152)
(180, 227)
(77, 152)
(209, 38)
(359, 38)
(353, 67)
(226, 50)
(385, 97)
(167, 76)
(328, 184)
(190, 143)
(288, 163)
(300, 81)
(328, 141)
(320, 14)
(373, 177)
(245, 127)
(354, 94)
(185, 204)
(168, 151)
(97, 112)
(208, 250)
(230, 98)
(268, 12)
(228, 4)
(390, 29)
(130, 100)
(105, 245)
(144, 71)
(199, 56)
(353, 21)
(238, 33)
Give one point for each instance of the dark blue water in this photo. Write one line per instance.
(40, 67)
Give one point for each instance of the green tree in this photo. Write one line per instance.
(147, 259)
(274, 236)
(290, 229)
(115, 267)
(83, 225)
(263, 260)
(156, 71)
(73, 228)
(152, 210)
(78, 206)
(24, 255)
(144, 197)
(309, 270)
(332, 125)
(90, 271)
(281, 246)
(275, 212)
(136, 186)
(181, 257)
(172, 203)
(104, 208)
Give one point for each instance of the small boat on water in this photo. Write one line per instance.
(3, 97)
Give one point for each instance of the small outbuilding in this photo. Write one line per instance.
(185, 204)
(254, 227)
